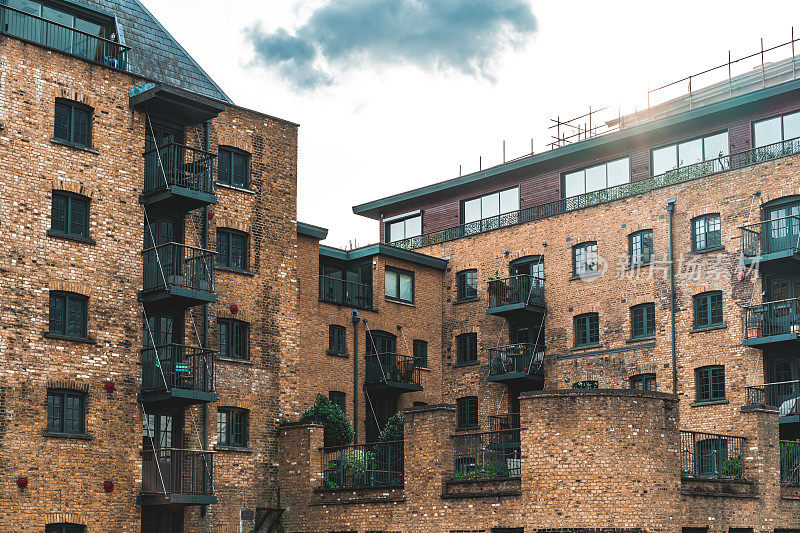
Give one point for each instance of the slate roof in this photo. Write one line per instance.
(154, 52)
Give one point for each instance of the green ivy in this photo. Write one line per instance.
(338, 431)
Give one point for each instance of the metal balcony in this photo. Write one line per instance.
(516, 296)
(392, 373)
(178, 178)
(772, 245)
(783, 396)
(177, 276)
(771, 323)
(177, 375)
(517, 364)
(173, 476)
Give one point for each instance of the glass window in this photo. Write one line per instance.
(398, 230)
(68, 315)
(232, 427)
(597, 177)
(587, 329)
(337, 339)
(640, 246)
(467, 284)
(467, 348)
(73, 123)
(232, 249)
(66, 412)
(64, 528)
(399, 285)
(467, 410)
(380, 342)
(490, 205)
(710, 383)
(707, 309)
(689, 152)
(234, 167)
(643, 318)
(585, 259)
(421, 353)
(706, 232)
(338, 399)
(232, 338)
(70, 215)
(776, 129)
(643, 382)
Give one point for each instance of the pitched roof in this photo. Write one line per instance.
(154, 53)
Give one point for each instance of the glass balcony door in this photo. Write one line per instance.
(781, 232)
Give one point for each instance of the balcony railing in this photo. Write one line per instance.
(175, 366)
(626, 190)
(487, 455)
(770, 236)
(178, 265)
(341, 292)
(783, 396)
(392, 367)
(770, 319)
(790, 462)
(173, 471)
(520, 289)
(515, 359)
(42, 31)
(505, 421)
(378, 464)
(708, 455)
(176, 165)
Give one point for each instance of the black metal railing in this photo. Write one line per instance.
(178, 265)
(708, 455)
(177, 366)
(174, 471)
(42, 31)
(378, 464)
(790, 462)
(626, 190)
(771, 318)
(774, 235)
(176, 165)
(783, 396)
(520, 289)
(385, 367)
(342, 292)
(487, 455)
(515, 358)
(504, 421)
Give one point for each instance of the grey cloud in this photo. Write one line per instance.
(461, 35)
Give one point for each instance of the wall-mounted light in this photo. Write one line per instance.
(110, 387)
(22, 482)
(210, 214)
(108, 485)
(234, 308)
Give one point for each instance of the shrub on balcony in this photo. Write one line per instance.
(394, 430)
(338, 431)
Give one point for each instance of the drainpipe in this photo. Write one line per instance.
(204, 422)
(670, 212)
(356, 320)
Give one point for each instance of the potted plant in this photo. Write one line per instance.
(755, 327)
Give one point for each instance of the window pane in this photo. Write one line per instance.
(76, 310)
(237, 252)
(63, 117)
(223, 247)
(596, 178)
(222, 338)
(79, 217)
(472, 210)
(57, 315)
(413, 226)
(716, 146)
(574, 184)
(690, 152)
(59, 214)
(509, 200)
(80, 126)
(665, 159)
(396, 231)
(73, 422)
(767, 132)
(84, 45)
(56, 36)
(406, 288)
(490, 205)
(222, 428)
(791, 126)
(54, 406)
(618, 172)
(224, 166)
(239, 170)
(390, 284)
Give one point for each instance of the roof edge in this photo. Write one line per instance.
(385, 250)
(309, 230)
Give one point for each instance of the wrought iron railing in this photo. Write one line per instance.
(178, 265)
(176, 366)
(708, 455)
(176, 165)
(783, 396)
(487, 455)
(342, 292)
(174, 471)
(626, 190)
(42, 31)
(790, 462)
(520, 289)
(774, 235)
(378, 464)
(515, 358)
(504, 421)
(771, 318)
(385, 367)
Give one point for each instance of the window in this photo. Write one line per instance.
(337, 340)
(597, 177)
(232, 249)
(776, 129)
(640, 246)
(232, 427)
(706, 232)
(643, 321)
(73, 123)
(380, 342)
(707, 309)
(643, 382)
(66, 412)
(710, 383)
(689, 152)
(232, 338)
(467, 408)
(490, 205)
(399, 285)
(585, 259)
(587, 329)
(466, 285)
(70, 215)
(467, 348)
(68, 315)
(338, 399)
(405, 228)
(234, 167)
(420, 353)
(64, 528)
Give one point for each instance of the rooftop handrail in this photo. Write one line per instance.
(54, 23)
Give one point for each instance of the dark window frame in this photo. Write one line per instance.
(420, 349)
(705, 311)
(709, 382)
(585, 249)
(465, 291)
(229, 347)
(586, 329)
(563, 177)
(232, 437)
(676, 144)
(467, 412)
(647, 320)
(781, 116)
(225, 258)
(61, 419)
(337, 339)
(65, 527)
(400, 272)
(387, 231)
(67, 298)
(644, 257)
(467, 348)
(225, 172)
(68, 221)
(500, 213)
(69, 135)
(709, 244)
(644, 379)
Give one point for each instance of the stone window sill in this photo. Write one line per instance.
(83, 340)
(466, 301)
(640, 339)
(337, 354)
(467, 428)
(77, 436)
(587, 277)
(709, 328)
(75, 146)
(586, 347)
(66, 237)
(235, 188)
(462, 365)
(707, 250)
(233, 360)
(399, 302)
(711, 402)
(234, 270)
(232, 449)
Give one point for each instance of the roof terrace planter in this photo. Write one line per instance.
(517, 364)
(626, 190)
(178, 178)
(392, 373)
(175, 476)
(515, 295)
(342, 292)
(177, 276)
(711, 456)
(379, 464)
(782, 396)
(771, 323)
(177, 375)
(772, 245)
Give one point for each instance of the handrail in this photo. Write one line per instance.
(331, 448)
(180, 145)
(184, 246)
(488, 432)
(75, 30)
(771, 220)
(179, 345)
(763, 304)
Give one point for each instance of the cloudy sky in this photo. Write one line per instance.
(396, 94)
